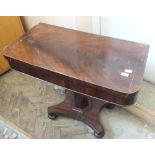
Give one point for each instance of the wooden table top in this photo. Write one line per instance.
(91, 64)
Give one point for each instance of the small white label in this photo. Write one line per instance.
(124, 74)
(128, 70)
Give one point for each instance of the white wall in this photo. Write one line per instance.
(68, 22)
(82, 23)
(139, 29)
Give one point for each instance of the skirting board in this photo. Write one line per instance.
(142, 112)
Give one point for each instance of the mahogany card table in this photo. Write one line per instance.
(90, 66)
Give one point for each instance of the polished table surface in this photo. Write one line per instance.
(90, 64)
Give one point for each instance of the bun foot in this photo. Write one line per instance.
(99, 134)
(52, 116)
(110, 106)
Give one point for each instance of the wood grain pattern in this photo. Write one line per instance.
(83, 62)
(10, 29)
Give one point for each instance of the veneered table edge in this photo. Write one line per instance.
(81, 87)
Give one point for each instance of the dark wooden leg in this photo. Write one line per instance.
(80, 109)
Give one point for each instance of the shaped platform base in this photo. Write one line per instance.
(83, 109)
